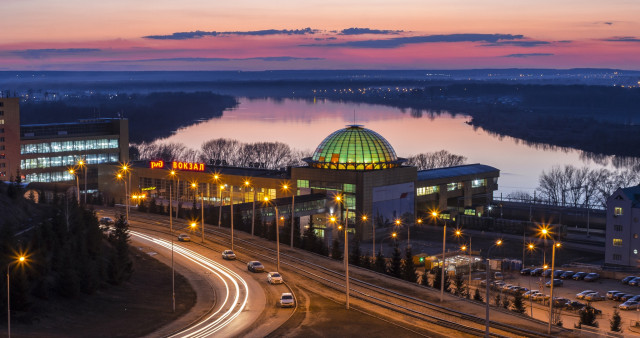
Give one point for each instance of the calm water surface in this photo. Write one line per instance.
(303, 125)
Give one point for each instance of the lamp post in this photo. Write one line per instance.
(531, 248)
(253, 207)
(486, 318)
(172, 173)
(194, 185)
(277, 219)
(120, 177)
(342, 201)
(545, 232)
(373, 233)
(126, 169)
(286, 187)
(20, 260)
(458, 233)
(444, 244)
(75, 173)
(220, 210)
(393, 235)
(82, 164)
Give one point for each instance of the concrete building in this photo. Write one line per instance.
(9, 138)
(623, 227)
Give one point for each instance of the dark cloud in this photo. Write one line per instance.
(360, 31)
(51, 52)
(623, 39)
(564, 41)
(517, 43)
(401, 41)
(526, 55)
(200, 34)
(608, 23)
(329, 38)
(196, 59)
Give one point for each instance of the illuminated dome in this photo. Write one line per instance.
(354, 148)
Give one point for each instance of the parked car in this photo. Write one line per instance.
(634, 282)
(560, 302)
(106, 221)
(635, 298)
(498, 276)
(618, 295)
(536, 272)
(611, 293)
(592, 277)
(567, 275)
(557, 273)
(594, 297)
(579, 275)
(546, 273)
(627, 279)
(629, 305)
(286, 300)
(228, 254)
(540, 297)
(274, 278)
(575, 305)
(525, 272)
(528, 294)
(184, 238)
(627, 297)
(556, 282)
(584, 293)
(255, 266)
(597, 311)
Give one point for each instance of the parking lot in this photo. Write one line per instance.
(569, 290)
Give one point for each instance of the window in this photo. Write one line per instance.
(617, 227)
(617, 211)
(617, 257)
(349, 188)
(2, 130)
(2, 121)
(478, 183)
(1, 112)
(451, 186)
(303, 183)
(421, 191)
(617, 242)
(635, 236)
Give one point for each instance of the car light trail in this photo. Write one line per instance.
(235, 299)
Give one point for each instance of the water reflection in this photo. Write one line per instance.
(304, 124)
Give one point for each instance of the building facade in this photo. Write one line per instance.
(623, 228)
(9, 138)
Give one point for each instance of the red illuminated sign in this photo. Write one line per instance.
(156, 164)
(189, 166)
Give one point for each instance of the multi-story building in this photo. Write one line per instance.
(623, 227)
(45, 152)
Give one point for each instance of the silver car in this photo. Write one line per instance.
(274, 278)
(287, 300)
(228, 254)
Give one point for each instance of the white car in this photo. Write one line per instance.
(582, 294)
(274, 278)
(228, 254)
(286, 300)
(184, 238)
(528, 294)
(629, 305)
(592, 297)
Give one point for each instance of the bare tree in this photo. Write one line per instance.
(438, 159)
(221, 151)
(166, 152)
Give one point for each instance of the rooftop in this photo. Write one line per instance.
(462, 170)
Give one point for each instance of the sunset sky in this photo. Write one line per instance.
(310, 34)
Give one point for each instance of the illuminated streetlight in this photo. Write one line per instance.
(340, 200)
(75, 173)
(373, 234)
(21, 259)
(488, 269)
(458, 233)
(286, 187)
(82, 164)
(194, 185)
(435, 215)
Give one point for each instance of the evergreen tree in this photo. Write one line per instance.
(506, 302)
(395, 268)
(297, 239)
(120, 265)
(355, 254)
(438, 279)
(366, 262)
(588, 316)
(458, 283)
(381, 263)
(615, 322)
(477, 296)
(498, 300)
(309, 238)
(336, 251)
(153, 206)
(408, 268)
(518, 303)
(425, 278)
(142, 206)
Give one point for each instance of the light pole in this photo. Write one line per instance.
(172, 173)
(285, 187)
(342, 200)
(531, 249)
(545, 232)
(20, 260)
(126, 169)
(277, 219)
(195, 186)
(82, 164)
(393, 235)
(459, 234)
(220, 210)
(253, 207)
(444, 244)
(373, 233)
(488, 269)
(120, 177)
(75, 173)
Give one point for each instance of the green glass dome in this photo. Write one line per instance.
(354, 148)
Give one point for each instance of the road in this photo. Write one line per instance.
(230, 300)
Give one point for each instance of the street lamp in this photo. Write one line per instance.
(220, 210)
(286, 187)
(277, 219)
(373, 233)
(82, 164)
(531, 247)
(341, 200)
(75, 172)
(20, 260)
(458, 233)
(119, 177)
(488, 269)
(545, 232)
(172, 174)
(194, 185)
(253, 207)
(444, 244)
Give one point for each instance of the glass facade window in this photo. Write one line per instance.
(617, 242)
(78, 145)
(454, 186)
(303, 183)
(617, 211)
(478, 183)
(350, 188)
(421, 191)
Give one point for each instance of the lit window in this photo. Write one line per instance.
(617, 242)
(349, 188)
(478, 183)
(635, 236)
(452, 186)
(303, 183)
(1, 121)
(617, 211)
(421, 191)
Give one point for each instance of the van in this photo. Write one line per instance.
(498, 276)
